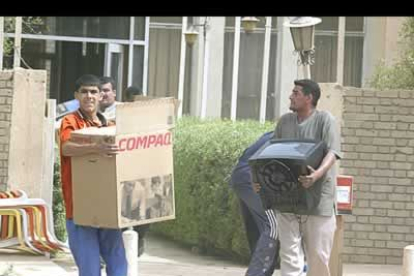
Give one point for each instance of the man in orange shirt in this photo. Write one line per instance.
(86, 243)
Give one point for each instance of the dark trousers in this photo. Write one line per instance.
(141, 230)
(260, 230)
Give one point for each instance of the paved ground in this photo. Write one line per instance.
(161, 258)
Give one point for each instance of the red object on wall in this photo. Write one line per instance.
(344, 194)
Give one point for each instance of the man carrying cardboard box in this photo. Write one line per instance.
(107, 105)
(87, 243)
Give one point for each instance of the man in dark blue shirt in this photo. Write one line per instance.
(261, 225)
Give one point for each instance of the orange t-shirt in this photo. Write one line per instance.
(70, 123)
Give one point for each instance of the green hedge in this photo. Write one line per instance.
(59, 216)
(207, 211)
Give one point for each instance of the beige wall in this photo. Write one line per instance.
(332, 100)
(380, 43)
(392, 48)
(23, 146)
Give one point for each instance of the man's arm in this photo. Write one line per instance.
(327, 162)
(70, 148)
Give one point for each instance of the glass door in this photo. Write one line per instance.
(114, 60)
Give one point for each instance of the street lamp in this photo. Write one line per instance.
(249, 23)
(191, 34)
(303, 36)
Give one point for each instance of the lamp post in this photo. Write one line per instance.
(302, 30)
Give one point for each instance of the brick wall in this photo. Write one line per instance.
(378, 145)
(6, 92)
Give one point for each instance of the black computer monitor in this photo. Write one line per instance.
(277, 166)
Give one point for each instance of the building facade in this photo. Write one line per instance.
(227, 73)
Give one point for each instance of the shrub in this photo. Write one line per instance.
(59, 216)
(207, 211)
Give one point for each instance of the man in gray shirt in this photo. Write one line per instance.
(315, 229)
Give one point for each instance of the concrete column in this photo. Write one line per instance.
(215, 70)
(23, 143)
(196, 69)
(340, 51)
(215, 37)
(373, 51)
(408, 261)
(286, 68)
(130, 238)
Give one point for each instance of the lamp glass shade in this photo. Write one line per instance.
(249, 23)
(191, 37)
(303, 38)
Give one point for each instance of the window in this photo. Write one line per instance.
(96, 27)
(250, 71)
(326, 52)
(164, 56)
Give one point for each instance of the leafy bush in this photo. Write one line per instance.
(207, 211)
(59, 214)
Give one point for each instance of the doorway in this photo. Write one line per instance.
(114, 63)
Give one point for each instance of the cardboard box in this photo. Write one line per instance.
(136, 186)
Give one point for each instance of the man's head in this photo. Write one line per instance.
(129, 186)
(108, 92)
(131, 92)
(156, 185)
(88, 94)
(305, 94)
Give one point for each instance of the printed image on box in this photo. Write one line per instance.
(147, 198)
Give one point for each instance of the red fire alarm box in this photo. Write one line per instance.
(344, 194)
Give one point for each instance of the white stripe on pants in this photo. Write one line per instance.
(318, 234)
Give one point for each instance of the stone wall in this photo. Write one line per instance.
(378, 146)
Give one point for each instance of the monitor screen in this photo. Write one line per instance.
(288, 150)
(65, 108)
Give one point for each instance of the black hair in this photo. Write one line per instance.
(155, 180)
(132, 91)
(106, 79)
(87, 80)
(310, 87)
